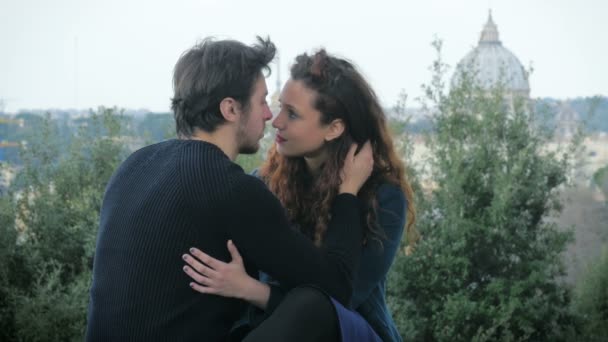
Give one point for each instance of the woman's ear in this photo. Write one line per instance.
(229, 108)
(335, 130)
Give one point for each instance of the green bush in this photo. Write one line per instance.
(600, 178)
(48, 224)
(591, 299)
(53, 309)
(487, 266)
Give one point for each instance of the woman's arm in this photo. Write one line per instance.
(376, 260)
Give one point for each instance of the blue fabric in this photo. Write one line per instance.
(353, 327)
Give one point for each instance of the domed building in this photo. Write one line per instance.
(490, 64)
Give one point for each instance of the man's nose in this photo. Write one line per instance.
(267, 114)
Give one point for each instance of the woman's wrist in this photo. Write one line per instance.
(256, 293)
(348, 189)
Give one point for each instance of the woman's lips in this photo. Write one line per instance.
(279, 139)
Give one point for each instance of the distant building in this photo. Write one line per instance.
(567, 122)
(491, 64)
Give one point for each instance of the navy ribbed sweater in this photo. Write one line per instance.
(168, 197)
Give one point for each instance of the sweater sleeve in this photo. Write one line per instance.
(375, 259)
(256, 316)
(259, 227)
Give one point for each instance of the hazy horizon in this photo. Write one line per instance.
(83, 54)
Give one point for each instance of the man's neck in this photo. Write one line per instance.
(223, 137)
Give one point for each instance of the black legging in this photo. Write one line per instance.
(305, 314)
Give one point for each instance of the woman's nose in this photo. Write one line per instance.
(278, 121)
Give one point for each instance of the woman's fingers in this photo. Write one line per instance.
(213, 276)
(199, 278)
(364, 160)
(206, 259)
(203, 289)
(357, 168)
(200, 267)
(234, 253)
(366, 150)
(351, 152)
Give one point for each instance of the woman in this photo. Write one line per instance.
(325, 107)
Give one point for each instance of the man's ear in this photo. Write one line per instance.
(230, 109)
(336, 128)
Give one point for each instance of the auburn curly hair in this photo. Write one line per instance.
(341, 93)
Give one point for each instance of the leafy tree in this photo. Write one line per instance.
(49, 220)
(488, 263)
(156, 126)
(591, 299)
(600, 178)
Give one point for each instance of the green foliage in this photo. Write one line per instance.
(600, 178)
(7, 250)
(249, 162)
(487, 266)
(591, 300)
(155, 127)
(49, 222)
(54, 309)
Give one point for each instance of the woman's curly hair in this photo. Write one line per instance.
(341, 93)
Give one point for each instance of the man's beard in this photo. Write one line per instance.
(248, 147)
(244, 146)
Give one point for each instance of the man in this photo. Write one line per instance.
(183, 193)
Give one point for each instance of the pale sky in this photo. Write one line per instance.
(87, 53)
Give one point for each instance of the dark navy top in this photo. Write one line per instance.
(170, 196)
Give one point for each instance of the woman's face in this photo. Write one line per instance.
(300, 132)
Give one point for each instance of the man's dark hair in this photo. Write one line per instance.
(212, 71)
